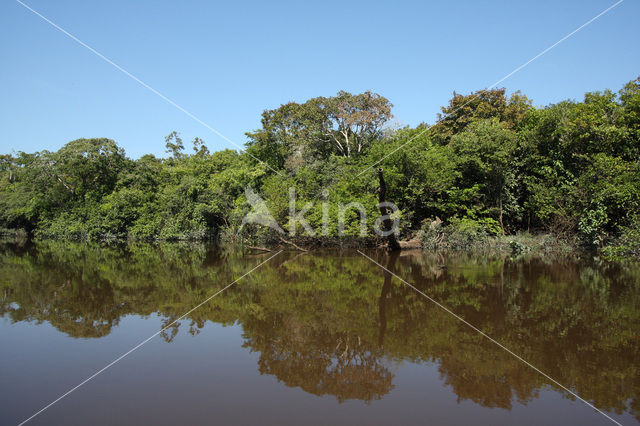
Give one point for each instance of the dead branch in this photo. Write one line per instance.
(292, 244)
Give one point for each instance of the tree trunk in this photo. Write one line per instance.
(382, 300)
(387, 223)
(501, 223)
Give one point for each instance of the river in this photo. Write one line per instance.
(326, 336)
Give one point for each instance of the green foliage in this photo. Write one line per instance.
(627, 243)
(517, 248)
(297, 134)
(481, 105)
(459, 234)
(491, 165)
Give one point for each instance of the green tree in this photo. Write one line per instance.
(174, 145)
(485, 157)
(344, 125)
(83, 166)
(483, 104)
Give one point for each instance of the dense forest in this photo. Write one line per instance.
(492, 164)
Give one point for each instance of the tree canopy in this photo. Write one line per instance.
(492, 163)
(343, 125)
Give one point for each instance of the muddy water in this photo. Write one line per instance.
(321, 337)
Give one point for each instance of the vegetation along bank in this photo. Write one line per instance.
(493, 169)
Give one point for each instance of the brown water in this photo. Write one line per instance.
(322, 337)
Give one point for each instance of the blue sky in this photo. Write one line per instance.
(228, 61)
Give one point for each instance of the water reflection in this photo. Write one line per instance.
(333, 323)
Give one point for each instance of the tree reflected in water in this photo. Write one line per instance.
(333, 323)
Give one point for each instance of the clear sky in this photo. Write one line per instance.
(228, 61)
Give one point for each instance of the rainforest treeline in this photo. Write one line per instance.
(492, 164)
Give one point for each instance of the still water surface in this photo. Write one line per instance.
(322, 337)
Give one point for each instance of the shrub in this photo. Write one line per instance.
(460, 233)
(627, 243)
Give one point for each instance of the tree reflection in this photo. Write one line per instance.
(347, 371)
(332, 322)
(392, 258)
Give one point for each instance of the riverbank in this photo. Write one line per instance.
(444, 240)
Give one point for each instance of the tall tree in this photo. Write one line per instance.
(343, 125)
(83, 166)
(485, 155)
(174, 145)
(483, 104)
(199, 148)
